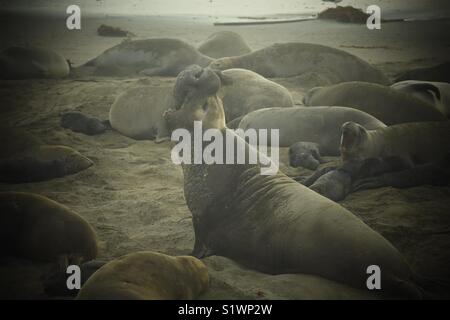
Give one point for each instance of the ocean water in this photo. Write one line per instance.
(223, 8)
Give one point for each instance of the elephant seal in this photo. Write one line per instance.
(224, 44)
(384, 103)
(434, 93)
(137, 113)
(78, 122)
(26, 159)
(283, 60)
(305, 154)
(32, 62)
(147, 276)
(37, 228)
(420, 142)
(150, 57)
(321, 125)
(272, 223)
(438, 73)
(336, 183)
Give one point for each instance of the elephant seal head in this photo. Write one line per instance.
(353, 141)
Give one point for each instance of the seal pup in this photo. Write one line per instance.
(224, 44)
(78, 122)
(434, 93)
(26, 159)
(283, 60)
(320, 125)
(32, 62)
(384, 103)
(305, 154)
(147, 276)
(272, 223)
(37, 228)
(149, 57)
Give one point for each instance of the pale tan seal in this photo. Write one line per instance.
(150, 57)
(147, 276)
(224, 44)
(32, 62)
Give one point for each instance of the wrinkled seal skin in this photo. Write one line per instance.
(31, 62)
(292, 59)
(37, 228)
(150, 57)
(384, 103)
(147, 276)
(275, 225)
(224, 44)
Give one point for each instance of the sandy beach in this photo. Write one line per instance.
(133, 194)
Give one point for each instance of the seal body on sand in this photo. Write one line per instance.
(275, 225)
(439, 73)
(32, 62)
(421, 142)
(26, 159)
(292, 59)
(151, 57)
(78, 122)
(384, 103)
(37, 228)
(147, 276)
(137, 113)
(321, 125)
(435, 93)
(224, 44)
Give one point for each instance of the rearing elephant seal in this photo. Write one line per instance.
(150, 57)
(32, 62)
(272, 223)
(224, 44)
(421, 142)
(147, 276)
(291, 59)
(384, 103)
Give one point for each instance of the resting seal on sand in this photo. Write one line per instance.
(32, 62)
(275, 225)
(150, 57)
(293, 59)
(305, 154)
(26, 159)
(439, 73)
(421, 142)
(384, 103)
(147, 276)
(224, 44)
(434, 93)
(78, 122)
(137, 113)
(321, 125)
(37, 228)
